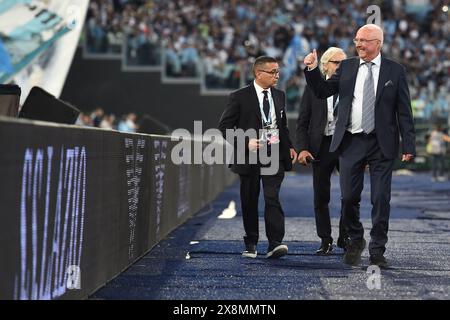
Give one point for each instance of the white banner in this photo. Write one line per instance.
(49, 70)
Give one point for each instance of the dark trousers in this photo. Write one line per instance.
(356, 151)
(273, 213)
(322, 170)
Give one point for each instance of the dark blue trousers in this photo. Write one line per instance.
(355, 153)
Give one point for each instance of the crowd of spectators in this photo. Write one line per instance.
(129, 122)
(225, 36)
(99, 119)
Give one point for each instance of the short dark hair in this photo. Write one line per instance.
(261, 61)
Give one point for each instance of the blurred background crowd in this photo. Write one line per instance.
(216, 41)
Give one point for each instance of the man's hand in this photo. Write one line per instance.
(311, 60)
(302, 157)
(293, 155)
(254, 144)
(407, 157)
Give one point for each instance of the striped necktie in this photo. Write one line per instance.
(368, 105)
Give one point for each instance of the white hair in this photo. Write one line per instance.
(331, 51)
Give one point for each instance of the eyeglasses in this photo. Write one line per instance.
(364, 41)
(335, 61)
(272, 72)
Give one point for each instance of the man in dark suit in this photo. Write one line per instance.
(374, 107)
(315, 128)
(255, 107)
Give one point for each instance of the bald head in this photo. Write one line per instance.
(374, 30)
(368, 41)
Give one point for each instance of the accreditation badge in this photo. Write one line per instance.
(270, 134)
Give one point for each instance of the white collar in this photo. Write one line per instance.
(376, 61)
(260, 89)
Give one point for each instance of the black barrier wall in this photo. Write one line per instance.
(79, 205)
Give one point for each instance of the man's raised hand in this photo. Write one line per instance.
(311, 60)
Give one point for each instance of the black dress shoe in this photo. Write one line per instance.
(275, 252)
(354, 250)
(325, 248)
(378, 260)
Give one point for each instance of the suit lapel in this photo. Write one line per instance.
(277, 102)
(255, 102)
(382, 78)
(348, 89)
(354, 73)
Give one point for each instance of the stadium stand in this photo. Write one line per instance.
(225, 36)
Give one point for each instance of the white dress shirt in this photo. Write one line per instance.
(331, 120)
(260, 94)
(356, 114)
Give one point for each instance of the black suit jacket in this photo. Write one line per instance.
(311, 122)
(243, 112)
(393, 113)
